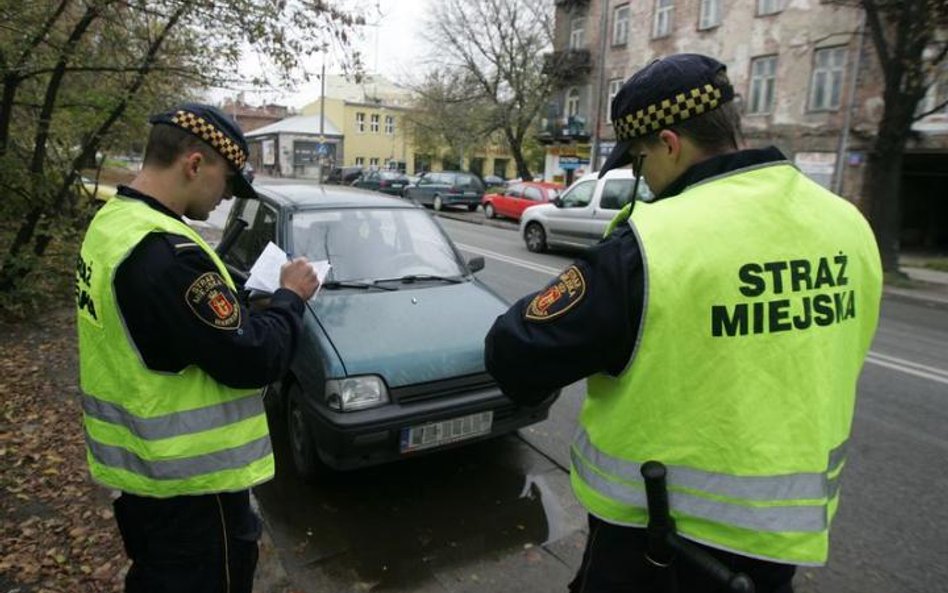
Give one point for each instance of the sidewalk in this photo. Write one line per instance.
(924, 285)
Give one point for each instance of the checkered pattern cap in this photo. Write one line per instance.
(219, 131)
(666, 92)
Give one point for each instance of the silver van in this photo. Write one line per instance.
(579, 216)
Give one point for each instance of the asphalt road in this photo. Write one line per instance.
(499, 516)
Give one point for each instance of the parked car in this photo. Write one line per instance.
(517, 197)
(579, 216)
(494, 181)
(447, 188)
(391, 361)
(387, 182)
(344, 175)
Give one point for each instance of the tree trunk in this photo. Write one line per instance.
(516, 148)
(884, 179)
(10, 83)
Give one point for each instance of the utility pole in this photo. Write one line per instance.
(843, 145)
(322, 118)
(601, 64)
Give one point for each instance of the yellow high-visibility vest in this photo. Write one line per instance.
(762, 297)
(147, 432)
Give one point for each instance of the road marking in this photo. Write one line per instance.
(510, 260)
(890, 362)
(908, 367)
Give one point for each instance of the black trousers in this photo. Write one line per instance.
(614, 561)
(186, 544)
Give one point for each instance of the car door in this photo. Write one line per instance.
(506, 204)
(532, 195)
(261, 219)
(569, 222)
(421, 192)
(615, 194)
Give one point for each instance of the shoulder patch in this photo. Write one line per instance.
(559, 297)
(213, 302)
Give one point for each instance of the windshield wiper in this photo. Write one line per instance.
(408, 279)
(334, 284)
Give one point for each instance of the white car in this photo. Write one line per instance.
(578, 217)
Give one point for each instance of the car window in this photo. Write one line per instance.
(616, 193)
(533, 194)
(377, 243)
(514, 191)
(261, 220)
(580, 194)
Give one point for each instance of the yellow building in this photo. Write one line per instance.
(371, 117)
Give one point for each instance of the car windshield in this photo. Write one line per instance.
(370, 244)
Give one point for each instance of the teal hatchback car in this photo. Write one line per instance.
(391, 363)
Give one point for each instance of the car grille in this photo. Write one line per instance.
(435, 389)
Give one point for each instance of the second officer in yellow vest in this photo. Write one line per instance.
(171, 362)
(722, 330)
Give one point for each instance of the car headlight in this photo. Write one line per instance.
(356, 393)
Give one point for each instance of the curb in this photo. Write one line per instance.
(270, 575)
(936, 301)
(480, 220)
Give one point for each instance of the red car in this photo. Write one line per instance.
(517, 197)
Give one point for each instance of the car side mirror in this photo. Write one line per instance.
(475, 264)
(558, 202)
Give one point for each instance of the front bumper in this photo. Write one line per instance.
(370, 437)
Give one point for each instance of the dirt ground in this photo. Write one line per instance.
(57, 533)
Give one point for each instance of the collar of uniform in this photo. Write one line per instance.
(719, 165)
(128, 192)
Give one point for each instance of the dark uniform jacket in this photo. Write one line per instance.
(151, 287)
(530, 357)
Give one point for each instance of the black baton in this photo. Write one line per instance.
(664, 543)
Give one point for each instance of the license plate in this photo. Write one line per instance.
(398, 185)
(436, 434)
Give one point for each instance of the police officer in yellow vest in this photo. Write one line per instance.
(722, 329)
(171, 362)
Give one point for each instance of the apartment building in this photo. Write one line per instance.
(799, 68)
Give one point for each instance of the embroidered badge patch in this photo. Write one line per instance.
(559, 297)
(213, 302)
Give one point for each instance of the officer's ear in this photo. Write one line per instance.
(192, 162)
(670, 144)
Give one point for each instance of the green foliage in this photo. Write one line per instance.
(80, 78)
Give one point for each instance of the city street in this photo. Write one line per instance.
(499, 516)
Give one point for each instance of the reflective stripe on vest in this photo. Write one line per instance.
(175, 423)
(178, 469)
(622, 481)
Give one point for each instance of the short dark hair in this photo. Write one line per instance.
(166, 143)
(716, 131)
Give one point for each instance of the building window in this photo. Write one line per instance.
(620, 25)
(572, 102)
(937, 92)
(763, 81)
(389, 125)
(765, 7)
(664, 10)
(577, 33)
(360, 122)
(360, 161)
(374, 123)
(374, 162)
(614, 85)
(710, 14)
(826, 86)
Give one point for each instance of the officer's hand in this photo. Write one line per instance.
(300, 277)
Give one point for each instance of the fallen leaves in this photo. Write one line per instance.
(57, 533)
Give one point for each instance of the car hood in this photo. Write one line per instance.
(412, 335)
